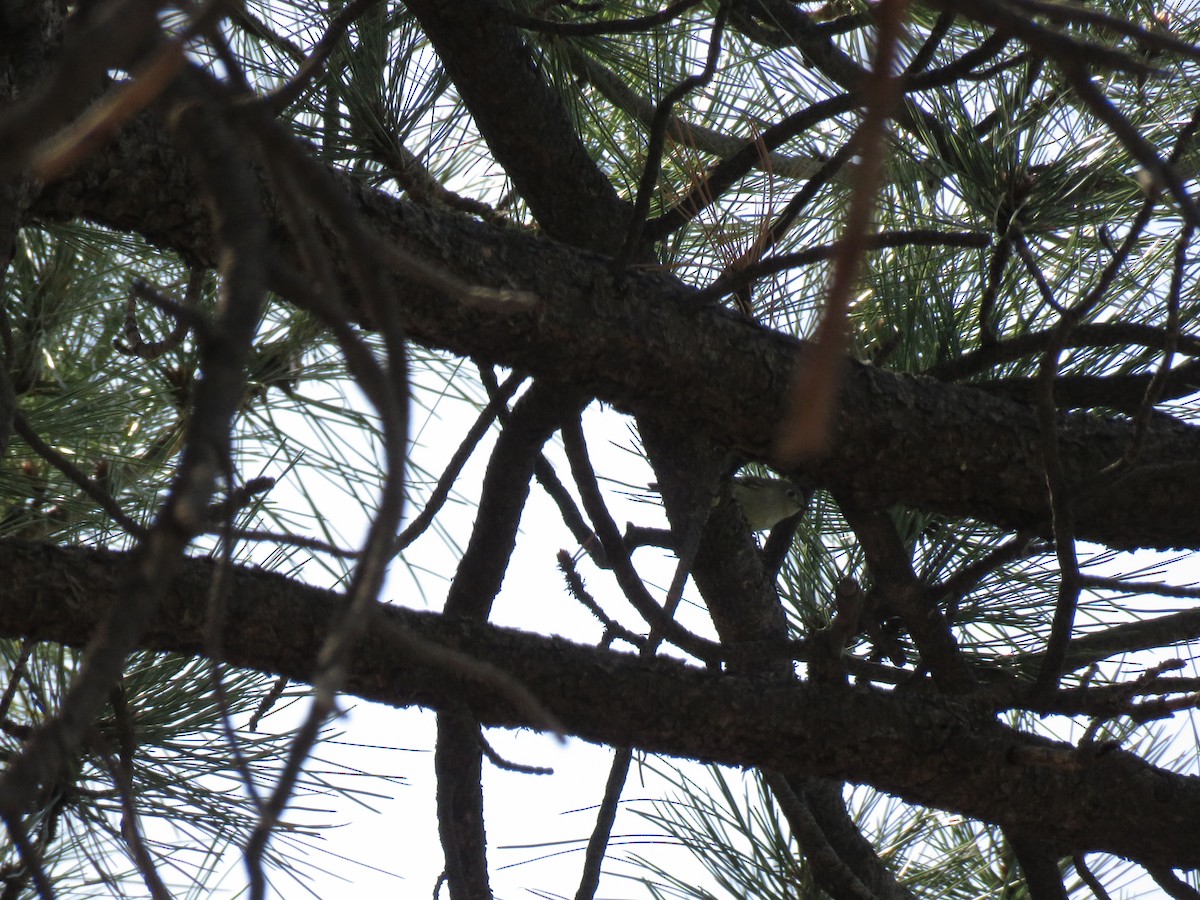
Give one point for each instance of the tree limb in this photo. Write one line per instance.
(924, 749)
(641, 346)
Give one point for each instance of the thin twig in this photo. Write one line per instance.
(388, 390)
(730, 170)
(441, 491)
(690, 134)
(1162, 171)
(1133, 588)
(1063, 522)
(1021, 245)
(246, 20)
(1088, 334)
(1001, 253)
(1070, 12)
(508, 765)
(658, 134)
(925, 53)
(30, 857)
(284, 96)
(1154, 389)
(953, 589)
(214, 629)
(75, 474)
(627, 577)
(577, 589)
(184, 313)
(736, 278)
(122, 775)
(1059, 46)
(18, 673)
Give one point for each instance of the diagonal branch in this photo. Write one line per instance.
(523, 121)
(896, 439)
(898, 589)
(658, 136)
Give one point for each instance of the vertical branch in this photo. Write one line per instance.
(458, 759)
(814, 388)
(214, 628)
(606, 815)
(386, 385)
(1063, 523)
(535, 417)
(232, 192)
(1001, 254)
(122, 775)
(1039, 865)
(8, 237)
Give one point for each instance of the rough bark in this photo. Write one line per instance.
(934, 751)
(636, 342)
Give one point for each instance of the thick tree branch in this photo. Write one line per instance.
(925, 749)
(641, 346)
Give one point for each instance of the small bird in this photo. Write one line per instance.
(766, 502)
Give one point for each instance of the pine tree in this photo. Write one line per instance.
(923, 270)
